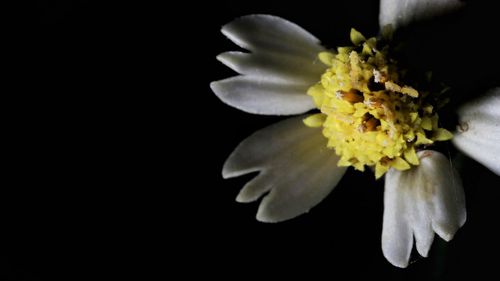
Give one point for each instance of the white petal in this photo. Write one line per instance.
(253, 95)
(283, 64)
(426, 199)
(281, 68)
(271, 33)
(478, 135)
(294, 164)
(397, 239)
(402, 12)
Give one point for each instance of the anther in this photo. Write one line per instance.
(352, 96)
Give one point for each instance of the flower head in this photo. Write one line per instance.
(372, 113)
(368, 115)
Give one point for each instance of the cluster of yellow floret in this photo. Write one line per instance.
(368, 115)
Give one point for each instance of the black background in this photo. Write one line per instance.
(118, 145)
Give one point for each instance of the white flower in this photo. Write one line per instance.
(298, 169)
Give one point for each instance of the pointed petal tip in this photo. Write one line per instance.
(229, 172)
(244, 197)
(396, 262)
(264, 216)
(270, 214)
(240, 198)
(263, 213)
(227, 58)
(225, 174)
(404, 265)
(397, 255)
(220, 57)
(270, 218)
(217, 88)
(220, 89)
(424, 244)
(424, 254)
(267, 215)
(226, 30)
(447, 236)
(400, 265)
(230, 29)
(214, 86)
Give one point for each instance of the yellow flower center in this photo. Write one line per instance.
(369, 116)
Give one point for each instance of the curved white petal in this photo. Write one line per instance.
(250, 94)
(283, 58)
(281, 68)
(478, 134)
(271, 33)
(426, 199)
(402, 12)
(296, 168)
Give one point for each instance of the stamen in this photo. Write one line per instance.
(371, 124)
(352, 96)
